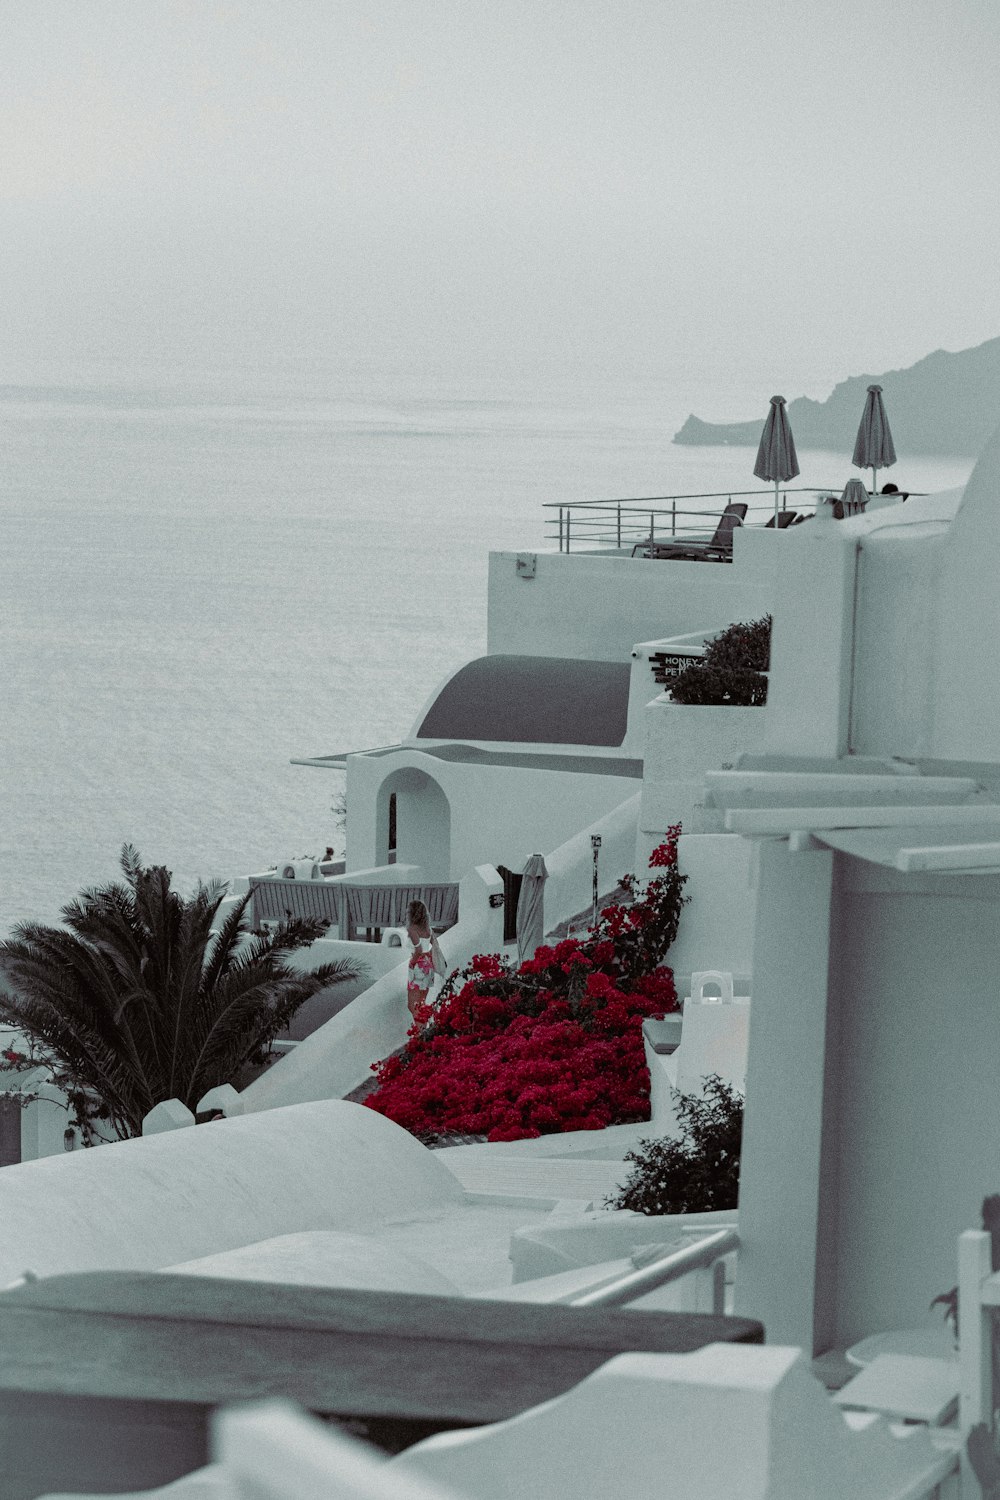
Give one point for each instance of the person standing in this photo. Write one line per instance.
(425, 958)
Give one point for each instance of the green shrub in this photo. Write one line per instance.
(731, 670)
(700, 1171)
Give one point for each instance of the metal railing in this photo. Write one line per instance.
(602, 525)
(706, 1254)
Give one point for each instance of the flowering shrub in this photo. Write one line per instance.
(700, 1171)
(553, 1044)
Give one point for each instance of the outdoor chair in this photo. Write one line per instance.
(719, 548)
(785, 518)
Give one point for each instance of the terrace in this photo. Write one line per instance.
(638, 526)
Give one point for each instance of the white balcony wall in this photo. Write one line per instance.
(494, 814)
(896, 640)
(967, 714)
(717, 925)
(375, 960)
(593, 607)
(570, 883)
(684, 741)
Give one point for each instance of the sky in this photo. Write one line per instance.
(777, 187)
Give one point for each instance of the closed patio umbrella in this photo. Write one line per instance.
(531, 908)
(855, 497)
(776, 457)
(873, 446)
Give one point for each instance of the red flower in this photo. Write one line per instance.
(554, 1045)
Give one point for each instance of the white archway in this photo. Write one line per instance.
(422, 823)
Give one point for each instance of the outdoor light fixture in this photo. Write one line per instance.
(496, 899)
(595, 844)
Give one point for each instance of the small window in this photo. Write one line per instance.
(392, 829)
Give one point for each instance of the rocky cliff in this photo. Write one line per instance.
(945, 404)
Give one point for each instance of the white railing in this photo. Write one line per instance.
(706, 1255)
(600, 525)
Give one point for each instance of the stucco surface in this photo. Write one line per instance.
(716, 928)
(596, 607)
(967, 709)
(496, 814)
(160, 1200)
(323, 1258)
(916, 1130)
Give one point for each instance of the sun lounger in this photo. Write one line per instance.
(718, 548)
(785, 518)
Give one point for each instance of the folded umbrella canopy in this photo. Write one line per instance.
(855, 497)
(873, 447)
(531, 907)
(776, 458)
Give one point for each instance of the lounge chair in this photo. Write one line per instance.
(719, 547)
(785, 518)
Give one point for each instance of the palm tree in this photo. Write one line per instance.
(140, 1001)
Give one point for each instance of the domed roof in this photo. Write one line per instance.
(540, 700)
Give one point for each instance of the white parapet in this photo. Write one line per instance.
(569, 887)
(728, 1420)
(223, 1099)
(170, 1114)
(169, 1198)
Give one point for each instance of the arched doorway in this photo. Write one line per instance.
(413, 824)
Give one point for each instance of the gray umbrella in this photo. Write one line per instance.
(776, 457)
(854, 498)
(531, 907)
(873, 447)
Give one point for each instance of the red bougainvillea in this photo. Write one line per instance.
(553, 1044)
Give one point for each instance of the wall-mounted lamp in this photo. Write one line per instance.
(496, 899)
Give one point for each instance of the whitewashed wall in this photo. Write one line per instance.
(570, 883)
(717, 925)
(895, 645)
(967, 713)
(594, 607)
(683, 742)
(913, 1095)
(497, 814)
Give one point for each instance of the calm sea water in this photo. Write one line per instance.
(207, 573)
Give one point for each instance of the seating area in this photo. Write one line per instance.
(784, 519)
(716, 548)
(354, 909)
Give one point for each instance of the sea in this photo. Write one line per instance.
(207, 572)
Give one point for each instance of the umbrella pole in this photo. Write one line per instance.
(873, 481)
(775, 505)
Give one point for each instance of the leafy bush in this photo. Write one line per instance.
(138, 998)
(552, 1045)
(700, 1172)
(731, 670)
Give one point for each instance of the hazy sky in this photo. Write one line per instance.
(781, 186)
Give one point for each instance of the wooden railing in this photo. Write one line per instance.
(351, 908)
(107, 1379)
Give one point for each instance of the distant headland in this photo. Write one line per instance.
(944, 404)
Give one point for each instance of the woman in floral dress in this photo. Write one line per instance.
(420, 973)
